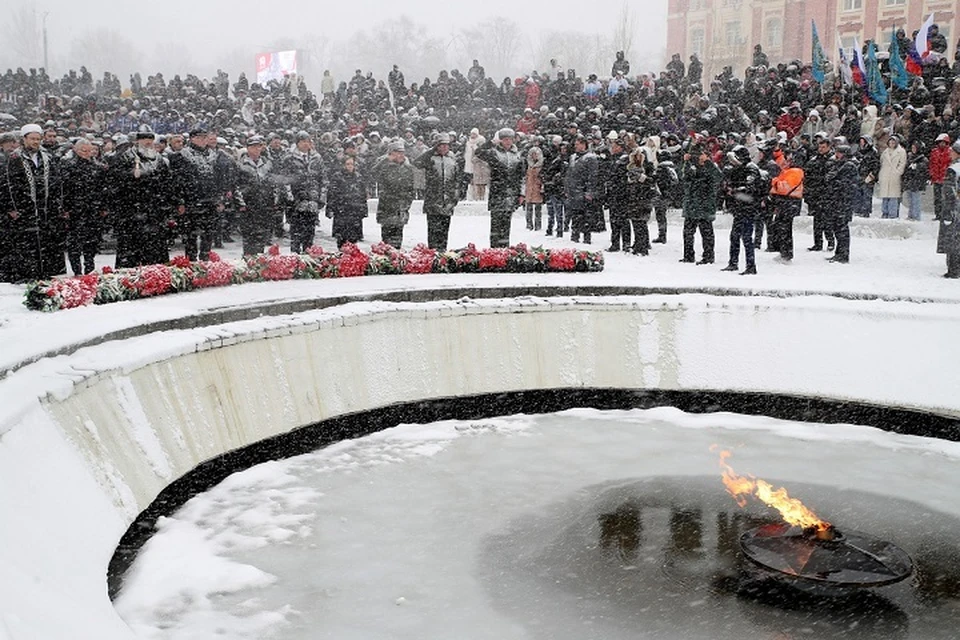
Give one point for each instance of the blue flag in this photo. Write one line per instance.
(898, 71)
(820, 63)
(875, 87)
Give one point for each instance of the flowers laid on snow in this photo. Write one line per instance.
(115, 285)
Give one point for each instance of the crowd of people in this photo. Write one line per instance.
(198, 161)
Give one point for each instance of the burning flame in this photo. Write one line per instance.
(791, 509)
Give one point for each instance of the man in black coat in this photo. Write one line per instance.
(144, 204)
(554, 169)
(615, 186)
(745, 190)
(841, 182)
(507, 171)
(815, 192)
(198, 183)
(948, 237)
(83, 206)
(32, 211)
(255, 193)
(303, 169)
(582, 184)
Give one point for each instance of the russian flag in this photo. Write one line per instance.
(920, 49)
(859, 71)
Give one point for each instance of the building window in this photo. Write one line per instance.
(852, 5)
(732, 31)
(696, 42)
(774, 33)
(893, 3)
(696, 5)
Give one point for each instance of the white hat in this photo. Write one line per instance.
(30, 128)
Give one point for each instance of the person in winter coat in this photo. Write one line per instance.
(617, 195)
(701, 186)
(394, 176)
(948, 237)
(552, 174)
(347, 202)
(303, 168)
(506, 177)
(255, 194)
(869, 168)
(444, 178)
(893, 162)
(83, 186)
(582, 184)
(915, 178)
(841, 181)
(745, 190)
(533, 189)
(642, 191)
(939, 163)
(671, 194)
(816, 193)
(786, 200)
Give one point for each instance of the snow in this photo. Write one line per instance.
(391, 523)
(891, 259)
(231, 583)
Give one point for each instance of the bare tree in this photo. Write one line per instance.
(626, 29)
(400, 41)
(103, 49)
(496, 43)
(21, 37)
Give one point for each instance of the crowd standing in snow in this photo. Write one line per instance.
(200, 160)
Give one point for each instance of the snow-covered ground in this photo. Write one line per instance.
(489, 529)
(890, 259)
(893, 260)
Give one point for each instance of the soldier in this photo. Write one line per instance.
(444, 178)
(506, 177)
(197, 184)
(255, 193)
(84, 210)
(394, 175)
(303, 169)
(31, 209)
(143, 214)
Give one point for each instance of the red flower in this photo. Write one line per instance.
(315, 252)
(494, 259)
(107, 270)
(353, 262)
(214, 257)
(274, 250)
(282, 267)
(154, 280)
(182, 262)
(561, 260)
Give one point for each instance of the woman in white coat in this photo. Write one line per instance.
(893, 161)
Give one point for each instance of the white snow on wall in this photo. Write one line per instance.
(88, 440)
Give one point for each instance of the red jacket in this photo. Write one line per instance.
(790, 124)
(939, 163)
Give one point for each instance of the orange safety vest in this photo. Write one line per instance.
(788, 184)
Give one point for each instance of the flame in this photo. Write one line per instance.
(791, 510)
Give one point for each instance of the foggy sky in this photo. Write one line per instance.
(206, 32)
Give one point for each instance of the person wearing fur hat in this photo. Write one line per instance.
(394, 175)
(506, 177)
(444, 178)
(31, 208)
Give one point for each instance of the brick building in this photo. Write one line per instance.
(724, 32)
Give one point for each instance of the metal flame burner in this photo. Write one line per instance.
(829, 558)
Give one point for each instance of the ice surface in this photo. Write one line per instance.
(483, 529)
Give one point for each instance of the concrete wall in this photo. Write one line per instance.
(120, 421)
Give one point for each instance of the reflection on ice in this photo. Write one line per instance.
(583, 524)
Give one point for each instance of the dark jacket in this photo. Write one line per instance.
(83, 192)
(507, 171)
(815, 189)
(395, 181)
(948, 237)
(841, 185)
(917, 173)
(745, 190)
(582, 181)
(701, 189)
(444, 177)
(304, 173)
(346, 195)
(195, 174)
(255, 185)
